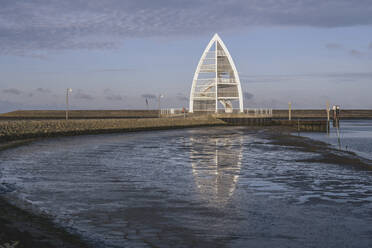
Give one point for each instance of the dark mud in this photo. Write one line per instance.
(285, 195)
(326, 153)
(15, 143)
(23, 229)
(31, 230)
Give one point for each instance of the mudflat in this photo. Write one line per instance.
(32, 230)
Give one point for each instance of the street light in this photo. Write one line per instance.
(160, 96)
(68, 90)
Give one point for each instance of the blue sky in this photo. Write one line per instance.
(115, 53)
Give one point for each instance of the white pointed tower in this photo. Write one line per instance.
(216, 83)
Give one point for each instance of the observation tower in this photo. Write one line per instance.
(216, 85)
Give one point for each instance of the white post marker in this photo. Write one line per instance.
(328, 109)
(68, 90)
(160, 96)
(289, 111)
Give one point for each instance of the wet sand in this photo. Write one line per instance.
(327, 153)
(29, 229)
(32, 230)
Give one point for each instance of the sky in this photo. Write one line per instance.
(115, 54)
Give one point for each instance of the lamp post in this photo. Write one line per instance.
(68, 90)
(160, 97)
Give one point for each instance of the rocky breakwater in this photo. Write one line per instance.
(25, 129)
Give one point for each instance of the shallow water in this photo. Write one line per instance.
(355, 135)
(206, 187)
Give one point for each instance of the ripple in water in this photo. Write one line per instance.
(208, 187)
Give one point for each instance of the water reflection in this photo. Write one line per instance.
(216, 163)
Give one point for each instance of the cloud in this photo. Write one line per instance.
(107, 91)
(352, 52)
(81, 95)
(113, 70)
(182, 98)
(111, 95)
(247, 95)
(28, 28)
(44, 91)
(114, 98)
(6, 106)
(333, 46)
(267, 78)
(12, 91)
(350, 75)
(356, 53)
(330, 77)
(148, 96)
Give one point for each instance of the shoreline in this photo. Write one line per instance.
(23, 229)
(33, 230)
(327, 153)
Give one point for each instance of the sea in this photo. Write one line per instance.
(197, 187)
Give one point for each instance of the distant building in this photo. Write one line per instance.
(216, 83)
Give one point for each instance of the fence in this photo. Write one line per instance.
(172, 111)
(259, 112)
(250, 112)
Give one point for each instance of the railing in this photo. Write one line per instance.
(227, 81)
(221, 53)
(208, 67)
(259, 112)
(248, 112)
(204, 94)
(173, 111)
(232, 111)
(227, 94)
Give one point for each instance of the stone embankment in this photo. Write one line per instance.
(322, 113)
(294, 125)
(24, 129)
(78, 114)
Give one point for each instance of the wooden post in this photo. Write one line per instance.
(328, 117)
(289, 111)
(67, 108)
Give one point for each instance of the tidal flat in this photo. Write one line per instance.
(199, 187)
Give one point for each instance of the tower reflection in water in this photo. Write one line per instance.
(216, 162)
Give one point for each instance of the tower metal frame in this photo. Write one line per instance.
(216, 80)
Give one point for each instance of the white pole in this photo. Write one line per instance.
(160, 96)
(216, 56)
(68, 90)
(289, 111)
(159, 106)
(328, 109)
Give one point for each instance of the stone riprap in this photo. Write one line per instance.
(79, 114)
(23, 129)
